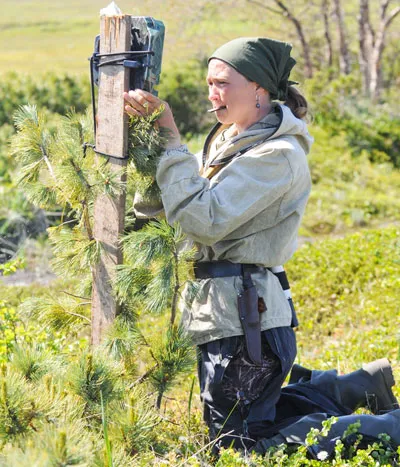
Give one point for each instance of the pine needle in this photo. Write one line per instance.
(175, 355)
(74, 252)
(63, 313)
(32, 362)
(121, 340)
(146, 145)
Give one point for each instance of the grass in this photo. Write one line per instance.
(346, 292)
(348, 193)
(59, 36)
(39, 36)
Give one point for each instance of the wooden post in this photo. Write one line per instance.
(111, 138)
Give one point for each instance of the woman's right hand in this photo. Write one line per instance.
(142, 103)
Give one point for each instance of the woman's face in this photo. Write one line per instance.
(233, 94)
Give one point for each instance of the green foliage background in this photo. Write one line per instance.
(344, 277)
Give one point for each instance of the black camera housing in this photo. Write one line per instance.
(144, 59)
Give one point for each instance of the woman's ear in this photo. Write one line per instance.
(261, 90)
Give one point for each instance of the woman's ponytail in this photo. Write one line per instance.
(297, 103)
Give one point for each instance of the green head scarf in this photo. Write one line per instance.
(264, 61)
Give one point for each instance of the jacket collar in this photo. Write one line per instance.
(222, 144)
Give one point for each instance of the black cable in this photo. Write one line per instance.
(95, 58)
(100, 153)
(93, 97)
(127, 52)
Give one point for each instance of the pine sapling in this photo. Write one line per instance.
(137, 420)
(156, 267)
(94, 378)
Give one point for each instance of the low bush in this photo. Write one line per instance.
(371, 129)
(57, 93)
(184, 87)
(346, 292)
(348, 192)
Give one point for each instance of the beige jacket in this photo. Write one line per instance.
(249, 212)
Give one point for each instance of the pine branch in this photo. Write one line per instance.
(137, 419)
(32, 362)
(95, 377)
(144, 376)
(58, 314)
(149, 244)
(79, 315)
(86, 221)
(75, 296)
(80, 174)
(73, 252)
(38, 193)
(17, 406)
(47, 161)
(33, 146)
(30, 145)
(175, 355)
(177, 287)
(156, 248)
(130, 282)
(160, 290)
(122, 339)
(108, 181)
(146, 145)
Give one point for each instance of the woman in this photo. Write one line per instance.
(241, 201)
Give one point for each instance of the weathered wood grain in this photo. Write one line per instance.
(111, 138)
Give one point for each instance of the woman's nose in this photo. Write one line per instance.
(212, 93)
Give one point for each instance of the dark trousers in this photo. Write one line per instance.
(237, 394)
(244, 402)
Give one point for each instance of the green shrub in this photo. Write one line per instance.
(184, 88)
(15, 331)
(337, 105)
(348, 192)
(375, 131)
(64, 445)
(57, 93)
(347, 293)
(95, 380)
(19, 412)
(7, 164)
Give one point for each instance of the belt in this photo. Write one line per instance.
(211, 269)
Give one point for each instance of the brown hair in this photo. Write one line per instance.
(297, 103)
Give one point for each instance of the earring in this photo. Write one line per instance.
(258, 101)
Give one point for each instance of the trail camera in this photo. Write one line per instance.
(144, 58)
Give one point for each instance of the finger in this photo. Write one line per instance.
(148, 96)
(145, 99)
(148, 100)
(137, 102)
(129, 97)
(131, 111)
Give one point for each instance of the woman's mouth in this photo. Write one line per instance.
(222, 107)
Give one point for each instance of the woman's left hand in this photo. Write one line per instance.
(142, 103)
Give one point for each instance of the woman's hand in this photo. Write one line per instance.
(142, 103)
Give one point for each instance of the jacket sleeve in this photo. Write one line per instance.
(208, 210)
